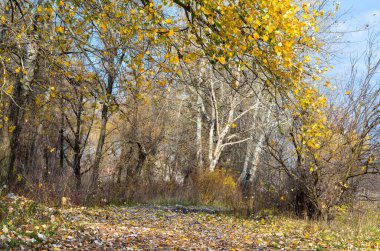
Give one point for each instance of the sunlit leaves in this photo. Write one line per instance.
(59, 29)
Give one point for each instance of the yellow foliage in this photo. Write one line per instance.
(218, 187)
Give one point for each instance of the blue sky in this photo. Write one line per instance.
(360, 7)
(358, 14)
(359, 17)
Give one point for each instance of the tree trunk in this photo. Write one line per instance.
(212, 124)
(211, 136)
(219, 144)
(102, 133)
(77, 164)
(248, 153)
(20, 95)
(77, 147)
(61, 141)
(249, 171)
(199, 132)
(77, 172)
(47, 164)
(227, 125)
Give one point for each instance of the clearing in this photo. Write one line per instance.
(28, 225)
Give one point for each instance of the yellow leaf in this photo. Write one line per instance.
(174, 60)
(222, 60)
(9, 90)
(103, 26)
(59, 29)
(307, 59)
(348, 93)
(11, 129)
(170, 33)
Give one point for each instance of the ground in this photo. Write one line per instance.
(36, 227)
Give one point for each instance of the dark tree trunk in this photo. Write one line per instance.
(61, 142)
(20, 94)
(46, 167)
(14, 128)
(77, 147)
(102, 134)
(305, 207)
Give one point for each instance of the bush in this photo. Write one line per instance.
(218, 188)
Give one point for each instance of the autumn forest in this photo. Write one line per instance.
(167, 114)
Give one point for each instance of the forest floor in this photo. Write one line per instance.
(30, 226)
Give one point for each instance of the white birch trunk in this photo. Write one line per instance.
(199, 132)
(211, 136)
(219, 144)
(248, 153)
(212, 123)
(248, 175)
(199, 114)
(227, 125)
